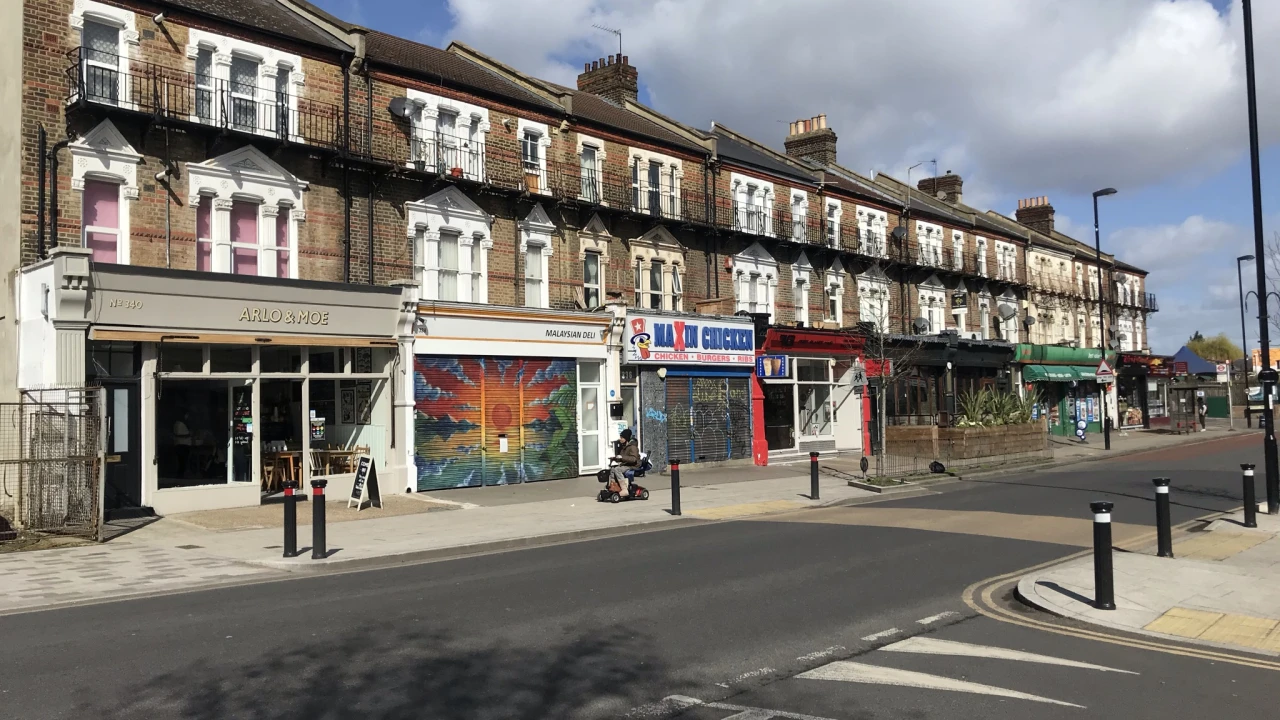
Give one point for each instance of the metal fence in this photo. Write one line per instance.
(51, 463)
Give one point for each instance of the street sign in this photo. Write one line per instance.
(859, 377)
(771, 366)
(1104, 373)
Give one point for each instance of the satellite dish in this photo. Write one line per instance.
(899, 233)
(1007, 312)
(942, 195)
(1030, 320)
(399, 107)
(921, 325)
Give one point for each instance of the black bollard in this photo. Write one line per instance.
(675, 487)
(813, 476)
(1250, 498)
(1164, 531)
(319, 550)
(290, 518)
(1103, 582)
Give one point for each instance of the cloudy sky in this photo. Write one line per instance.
(1020, 97)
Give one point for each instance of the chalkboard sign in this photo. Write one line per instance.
(366, 483)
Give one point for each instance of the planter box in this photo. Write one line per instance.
(884, 490)
(966, 443)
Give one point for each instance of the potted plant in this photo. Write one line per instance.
(456, 172)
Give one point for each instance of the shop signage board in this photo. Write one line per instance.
(1180, 368)
(691, 340)
(1104, 373)
(772, 366)
(960, 301)
(366, 484)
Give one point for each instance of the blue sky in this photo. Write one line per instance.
(1035, 97)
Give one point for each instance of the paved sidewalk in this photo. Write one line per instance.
(172, 555)
(1124, 442)
(1220, 589)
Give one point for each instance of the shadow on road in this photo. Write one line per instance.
(1174, 491)
(386, 671)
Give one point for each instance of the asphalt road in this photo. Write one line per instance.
(728, 613)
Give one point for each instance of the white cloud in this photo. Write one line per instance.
(1024, 93)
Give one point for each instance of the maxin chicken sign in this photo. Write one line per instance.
(658, 339)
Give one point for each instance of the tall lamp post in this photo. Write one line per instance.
(1244, 336)
(1102, 314)
(1268, 375)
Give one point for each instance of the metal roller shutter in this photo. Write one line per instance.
(548, 420)
(710, 421)
(679, 413)
(739, 418)
(708, 418)
(448, 422)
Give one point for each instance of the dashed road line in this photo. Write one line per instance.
(881, 635)
(743, 712)
(852, 672)
(822, 653)
(935, 618)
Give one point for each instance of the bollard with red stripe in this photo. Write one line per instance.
(675, 487)
(319, 550)
(290, 518)
(813, 476)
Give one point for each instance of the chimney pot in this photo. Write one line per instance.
(586, 67)
(822, 121)
(624, 60)
(610, 59)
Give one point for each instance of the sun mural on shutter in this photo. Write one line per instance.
(466, 407)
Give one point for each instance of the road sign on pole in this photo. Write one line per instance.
(1104, 373)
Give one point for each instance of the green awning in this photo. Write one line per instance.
(1057, 373)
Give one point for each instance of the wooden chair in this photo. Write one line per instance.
(268, 472)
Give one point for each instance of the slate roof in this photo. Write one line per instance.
(265, 15)
(599, 110)
(446, 66)
(729, 147)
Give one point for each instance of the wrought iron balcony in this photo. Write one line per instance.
(445, 154)
(752, 219)
(96, 78)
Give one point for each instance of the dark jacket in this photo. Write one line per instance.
(630, 454)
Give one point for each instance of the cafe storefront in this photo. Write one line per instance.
(506, 395)
(1142, 388)
(219, 388)
(692, 399)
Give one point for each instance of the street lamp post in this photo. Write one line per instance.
(1102, 314)
(1244, 336)
(1267, 375)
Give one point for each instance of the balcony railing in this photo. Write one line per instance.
(97, 78)
(752, 219)
(448, 155)
(1140, 301)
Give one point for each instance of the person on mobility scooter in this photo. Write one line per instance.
(623, 469)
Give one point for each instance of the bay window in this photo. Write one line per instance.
(204, 234)
(591, 294)
(244, 237)
(447, 266)
(244, 93)
(101, 71)
(802, 299)
(535, 277)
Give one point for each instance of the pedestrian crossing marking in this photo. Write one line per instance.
(934, 646)
(852, 672)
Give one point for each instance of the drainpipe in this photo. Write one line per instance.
(168, 203)
(42, 141)
(53, 190)
(346, 173)
(368, 138)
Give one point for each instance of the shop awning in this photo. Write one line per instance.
(1057, 373)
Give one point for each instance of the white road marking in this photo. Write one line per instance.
(882, 634)
(935, 618)
(744, 712)
(752, 674)
(845, 671)
(821, 653)
(933, 646)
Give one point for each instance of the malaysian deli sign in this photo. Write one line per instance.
(658, 339)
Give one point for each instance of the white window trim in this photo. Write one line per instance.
(801, 275)
(929, 239)
(756, 261)
(247, 174)
(595, 239)
(1008, 328)
(833, 288)
(425, 108)
(584, 141)
(957, 250)
(669, 163)
(836, 220)
(536, 231)
(110, 15)
(1006, 260)
(799, 215)
(873, 299)
(544, 144)
(873, 231)
(933, 306)
(986, 305)
(738, 184)
(449, 210)
(981, 245)
(104, 154)
(269, 61)
(661, 246)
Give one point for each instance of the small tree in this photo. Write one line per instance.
(1218, 348)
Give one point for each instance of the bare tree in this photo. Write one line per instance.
(1272, 258)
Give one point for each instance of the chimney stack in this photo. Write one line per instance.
(612, 78)
(812, 140)
(1036, 213)
(950, 185)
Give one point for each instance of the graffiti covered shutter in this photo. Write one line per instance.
(549, 420)
(708, 418)
(448, 423)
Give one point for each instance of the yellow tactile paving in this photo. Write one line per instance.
(1240, 630)
(735, 511)
(1183, 622)
(1217, 546)
(1228, 628)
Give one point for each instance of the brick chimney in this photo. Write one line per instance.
(1036, 213)
(950, 185)
(612, 78)
(812, 140)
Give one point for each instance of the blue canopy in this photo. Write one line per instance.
(1196, 365)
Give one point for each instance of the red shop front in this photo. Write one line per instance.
(805, 397)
